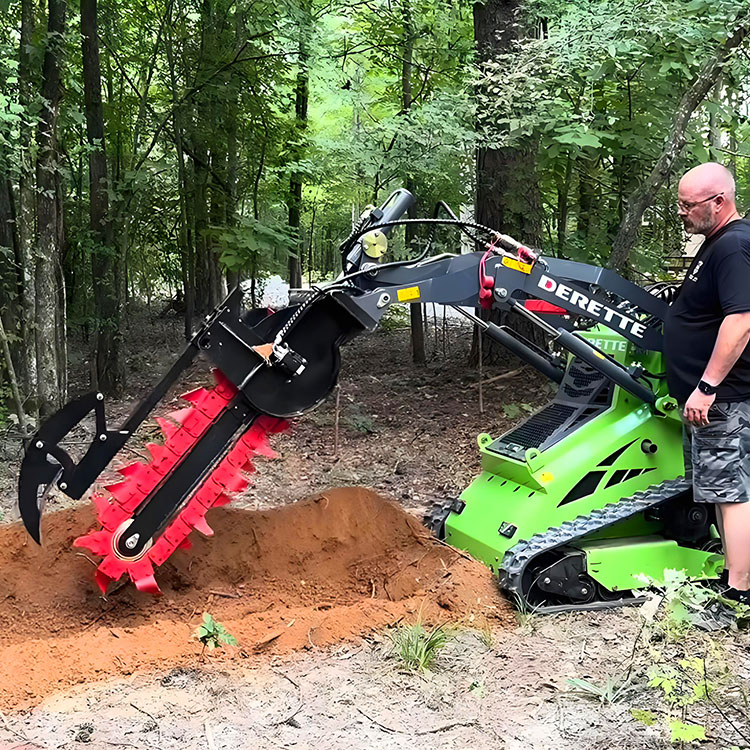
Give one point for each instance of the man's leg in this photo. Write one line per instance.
(736, 537)
(720, 457)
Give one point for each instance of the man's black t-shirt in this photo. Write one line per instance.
(716, 285)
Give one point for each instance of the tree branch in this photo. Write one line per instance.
(643, 196)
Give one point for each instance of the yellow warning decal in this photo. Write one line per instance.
(516, 265)
(409, 294)
(547, 476)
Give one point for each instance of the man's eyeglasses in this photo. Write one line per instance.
(690, 205)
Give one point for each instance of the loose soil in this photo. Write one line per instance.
(310, 574)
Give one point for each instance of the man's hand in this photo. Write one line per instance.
(696, 408)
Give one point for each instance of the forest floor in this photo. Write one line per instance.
(314, 590)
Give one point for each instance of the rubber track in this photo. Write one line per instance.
(517, 559)
(140, 480)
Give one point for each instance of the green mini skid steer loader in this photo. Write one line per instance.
(584, 502)
(577, 507)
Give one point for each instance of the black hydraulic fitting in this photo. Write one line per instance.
(648, 447)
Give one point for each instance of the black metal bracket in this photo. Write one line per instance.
(39, 472)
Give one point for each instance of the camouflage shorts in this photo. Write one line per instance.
(717, 456)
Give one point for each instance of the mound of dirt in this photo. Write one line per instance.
(324, 570)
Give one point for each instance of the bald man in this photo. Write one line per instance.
(706, 335)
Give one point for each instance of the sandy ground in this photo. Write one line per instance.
(511, 693)
(508, 695)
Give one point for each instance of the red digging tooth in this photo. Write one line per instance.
(194, 396)
(143, 577)
(185, 544)
(130, 469)
(202, 527)
(237, 484)
(249, 467)
(112, 567)
(97, 542)
(102, 581)
(222, 500)
(121, 491)
(167, 427)
(264, 449)
(194, 516)
(181, 415)
(161, 457)
(101, 503)
(193, 420)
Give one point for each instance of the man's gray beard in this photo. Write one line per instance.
(696, 227)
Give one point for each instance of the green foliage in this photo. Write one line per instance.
(686, 603)
(679, 672)
(213, 634)
(396, 318)
(594, 97)
(649, 718)
(681, 684)
(255, 246)
(589, 89)
(682, 732)
(417, 647)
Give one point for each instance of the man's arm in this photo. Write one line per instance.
(734, 333)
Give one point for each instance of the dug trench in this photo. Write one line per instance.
(327, 569)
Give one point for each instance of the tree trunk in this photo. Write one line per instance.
(11, 284)
(11, 374)
(200, 224)
(507, 189)
(714, 126)
(186, 250)
(302, 93)
(109, 371)
(643, 196)
(563, 190)
(507, 196)
(230, 204)
(416, 317)
(26, 205)
(49, 297)
(217, 215)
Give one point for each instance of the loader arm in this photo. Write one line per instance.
(273, 367)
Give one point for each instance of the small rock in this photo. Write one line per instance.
(84, 733)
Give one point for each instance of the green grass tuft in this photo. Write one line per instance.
(417, 647)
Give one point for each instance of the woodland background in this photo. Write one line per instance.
(155, 153)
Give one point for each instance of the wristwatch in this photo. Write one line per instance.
(706, 388)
